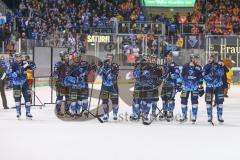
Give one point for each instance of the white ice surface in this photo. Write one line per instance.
(48, 138)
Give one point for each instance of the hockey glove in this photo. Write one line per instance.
(179, 87)
(201, 91)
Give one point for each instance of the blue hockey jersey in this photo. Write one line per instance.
(109, 74)
(191, 77)
(18, 76)
(172, 74)
(213, 75)
(77, 75)
(60, 71)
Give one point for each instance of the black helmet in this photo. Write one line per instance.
(63, 54)
(169, 53)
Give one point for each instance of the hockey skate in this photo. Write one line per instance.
(193, 119)
(163, 116)
(115, 117)
(105, 118)
(153, 115)
(67, 113)
(134, 117)
(220, 119)
(169, 117)
(19, 116)
(183, 119)
(210, 120)
(78, 114)
(60, 114)
(145, 117)
(85, 113)
(29, 116)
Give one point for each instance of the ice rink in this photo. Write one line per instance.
(48, 138)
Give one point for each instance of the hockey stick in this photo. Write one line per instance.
(97, 116)
(42, 104)
(160, 111)
(148, 123)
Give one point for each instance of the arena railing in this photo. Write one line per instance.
(188, 27)
(141, 27)
(225, 45)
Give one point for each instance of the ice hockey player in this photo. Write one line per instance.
(144, 87)
(18, 78)
(109, 90)
(30, 77)
(136, 106)
(192, 84)
(3, 74)
(147, 83)
(213, 73)
(156, 74)
(172, 84)
(76, 79)
(61, 69)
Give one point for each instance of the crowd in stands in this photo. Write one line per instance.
(63, 22)
(223, 17)
(37, 19)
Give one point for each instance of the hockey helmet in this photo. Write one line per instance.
(76, 56)
(17, 55)
(108, 58)
(193, 56)
(169, 53)
(62, 54)
(213, 57)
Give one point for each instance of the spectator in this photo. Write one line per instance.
(2, 82)
(229, 75)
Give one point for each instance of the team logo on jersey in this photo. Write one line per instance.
(190, 72)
